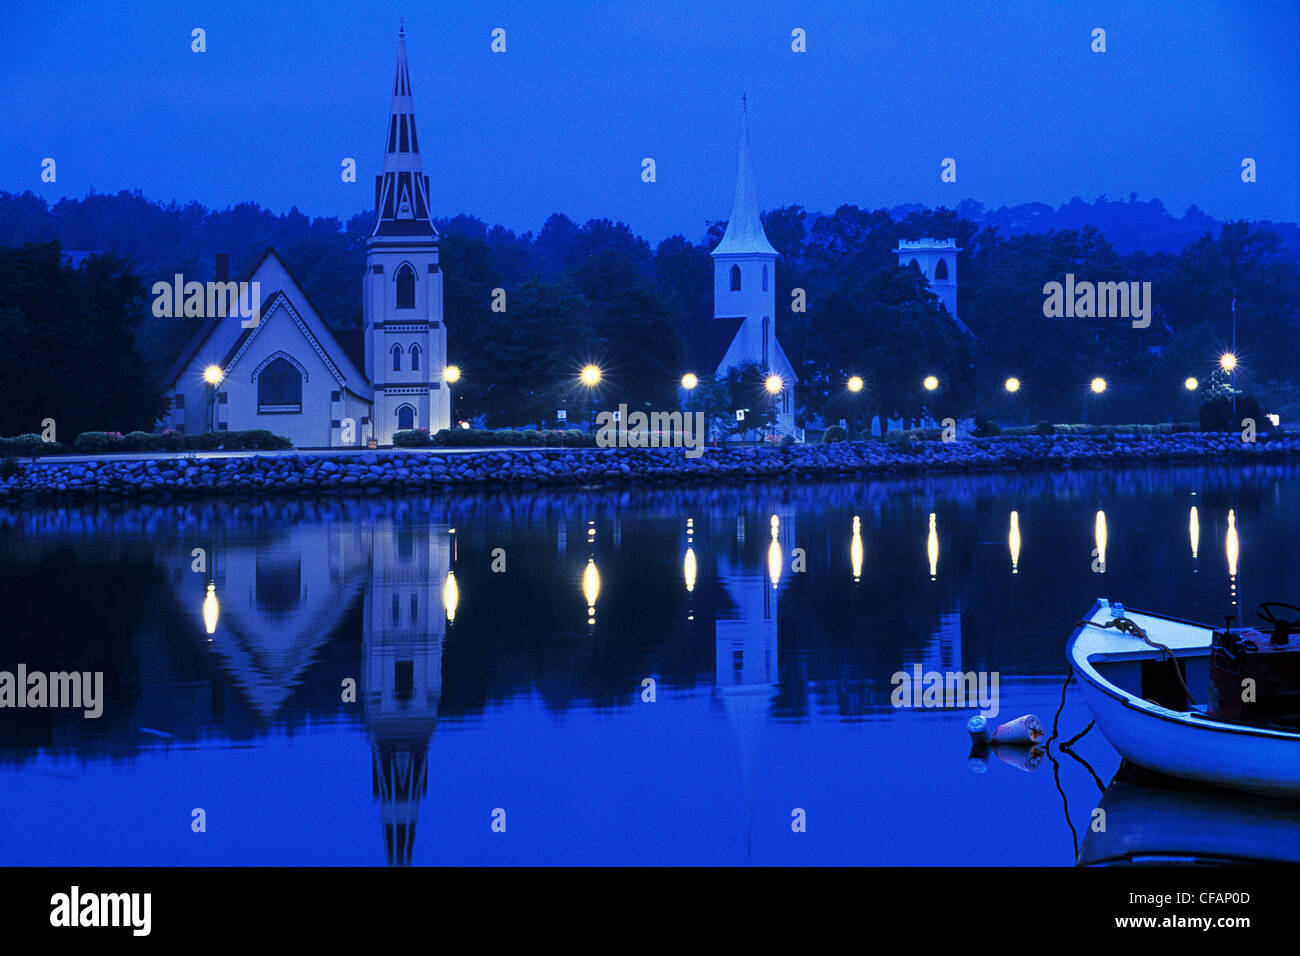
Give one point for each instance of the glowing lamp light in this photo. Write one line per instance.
(855, 549)
(1013, 385)
(1191, 384)
(855, 384)
(932, 548)
(211, 609)
(590, 376)
(451, 374)
(1098, 385)
(773, 384)
(1013, 542)
(1100, 537)
(1233, 544)
(591, 588)
(689, 381)
(212, 374)
(930, 383)
(450, 596)
(1227, 361)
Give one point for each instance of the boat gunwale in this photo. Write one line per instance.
(1083, 668)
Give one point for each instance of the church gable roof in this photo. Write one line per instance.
(273, 274)
(317, 334)
(745, 234)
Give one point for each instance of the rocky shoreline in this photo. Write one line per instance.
(427, 470)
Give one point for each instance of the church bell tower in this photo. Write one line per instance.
(405, 339)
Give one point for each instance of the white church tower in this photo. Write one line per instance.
(744, 288)
(405, 339)
(937, 260)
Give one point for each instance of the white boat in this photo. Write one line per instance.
(1120, 673)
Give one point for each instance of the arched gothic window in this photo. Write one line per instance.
(405, 287)
(397, 358)
(279, 388)
(941, 270)
(735, 278)
(406, 416)
(415, 358)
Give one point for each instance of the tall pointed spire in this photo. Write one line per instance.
(745, 229)
(402, 190)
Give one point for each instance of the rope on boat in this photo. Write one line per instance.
(1126, 626)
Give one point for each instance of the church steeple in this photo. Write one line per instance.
(402, 190)
(745, 233)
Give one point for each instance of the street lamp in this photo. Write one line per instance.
(930, 383)
(590, 376)
(1098, 385)
(689, 381)
(855, 386)
(1228, 362)
(1013, 385)
(773, 385)
(451, 374)
(1191, 384)
(212, 375)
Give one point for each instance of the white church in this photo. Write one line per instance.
(744, 291)
(291, 374)
(744, 296)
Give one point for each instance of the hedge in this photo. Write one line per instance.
(29, 446)
(258, 439)
(483, 437)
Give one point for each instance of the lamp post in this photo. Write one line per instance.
(855, 388)
(773, 385)
(212, 375)
(1228, 362)
(689, 381)
(451, 375)
(1097, 386)
(590, 377)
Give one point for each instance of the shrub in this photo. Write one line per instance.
(94, 443)
(413, 438)
(834, 433)
(986, 428)
(137, 441)
(30, 445)
(1217, 414)
(171, 440)
(1044, 428)
(787, 441)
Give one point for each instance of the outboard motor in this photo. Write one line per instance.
(1255, 674)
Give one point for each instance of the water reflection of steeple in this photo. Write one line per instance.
(404, 626)
(746, 643)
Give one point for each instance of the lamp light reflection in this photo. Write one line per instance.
(1013, 542)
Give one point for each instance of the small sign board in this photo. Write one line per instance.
(740, 414)
(561, 415)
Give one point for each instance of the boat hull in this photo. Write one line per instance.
(1181, 744)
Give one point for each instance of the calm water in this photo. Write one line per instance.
(772, 668)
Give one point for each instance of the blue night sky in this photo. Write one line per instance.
(586, 90)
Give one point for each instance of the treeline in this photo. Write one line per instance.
(598, 293)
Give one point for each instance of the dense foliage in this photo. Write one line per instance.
(596, 293)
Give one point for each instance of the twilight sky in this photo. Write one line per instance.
(562, 120)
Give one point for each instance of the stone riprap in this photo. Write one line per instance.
(413, 470)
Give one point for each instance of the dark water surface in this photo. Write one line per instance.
(772, 667)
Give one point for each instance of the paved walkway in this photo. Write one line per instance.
(294, 453)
